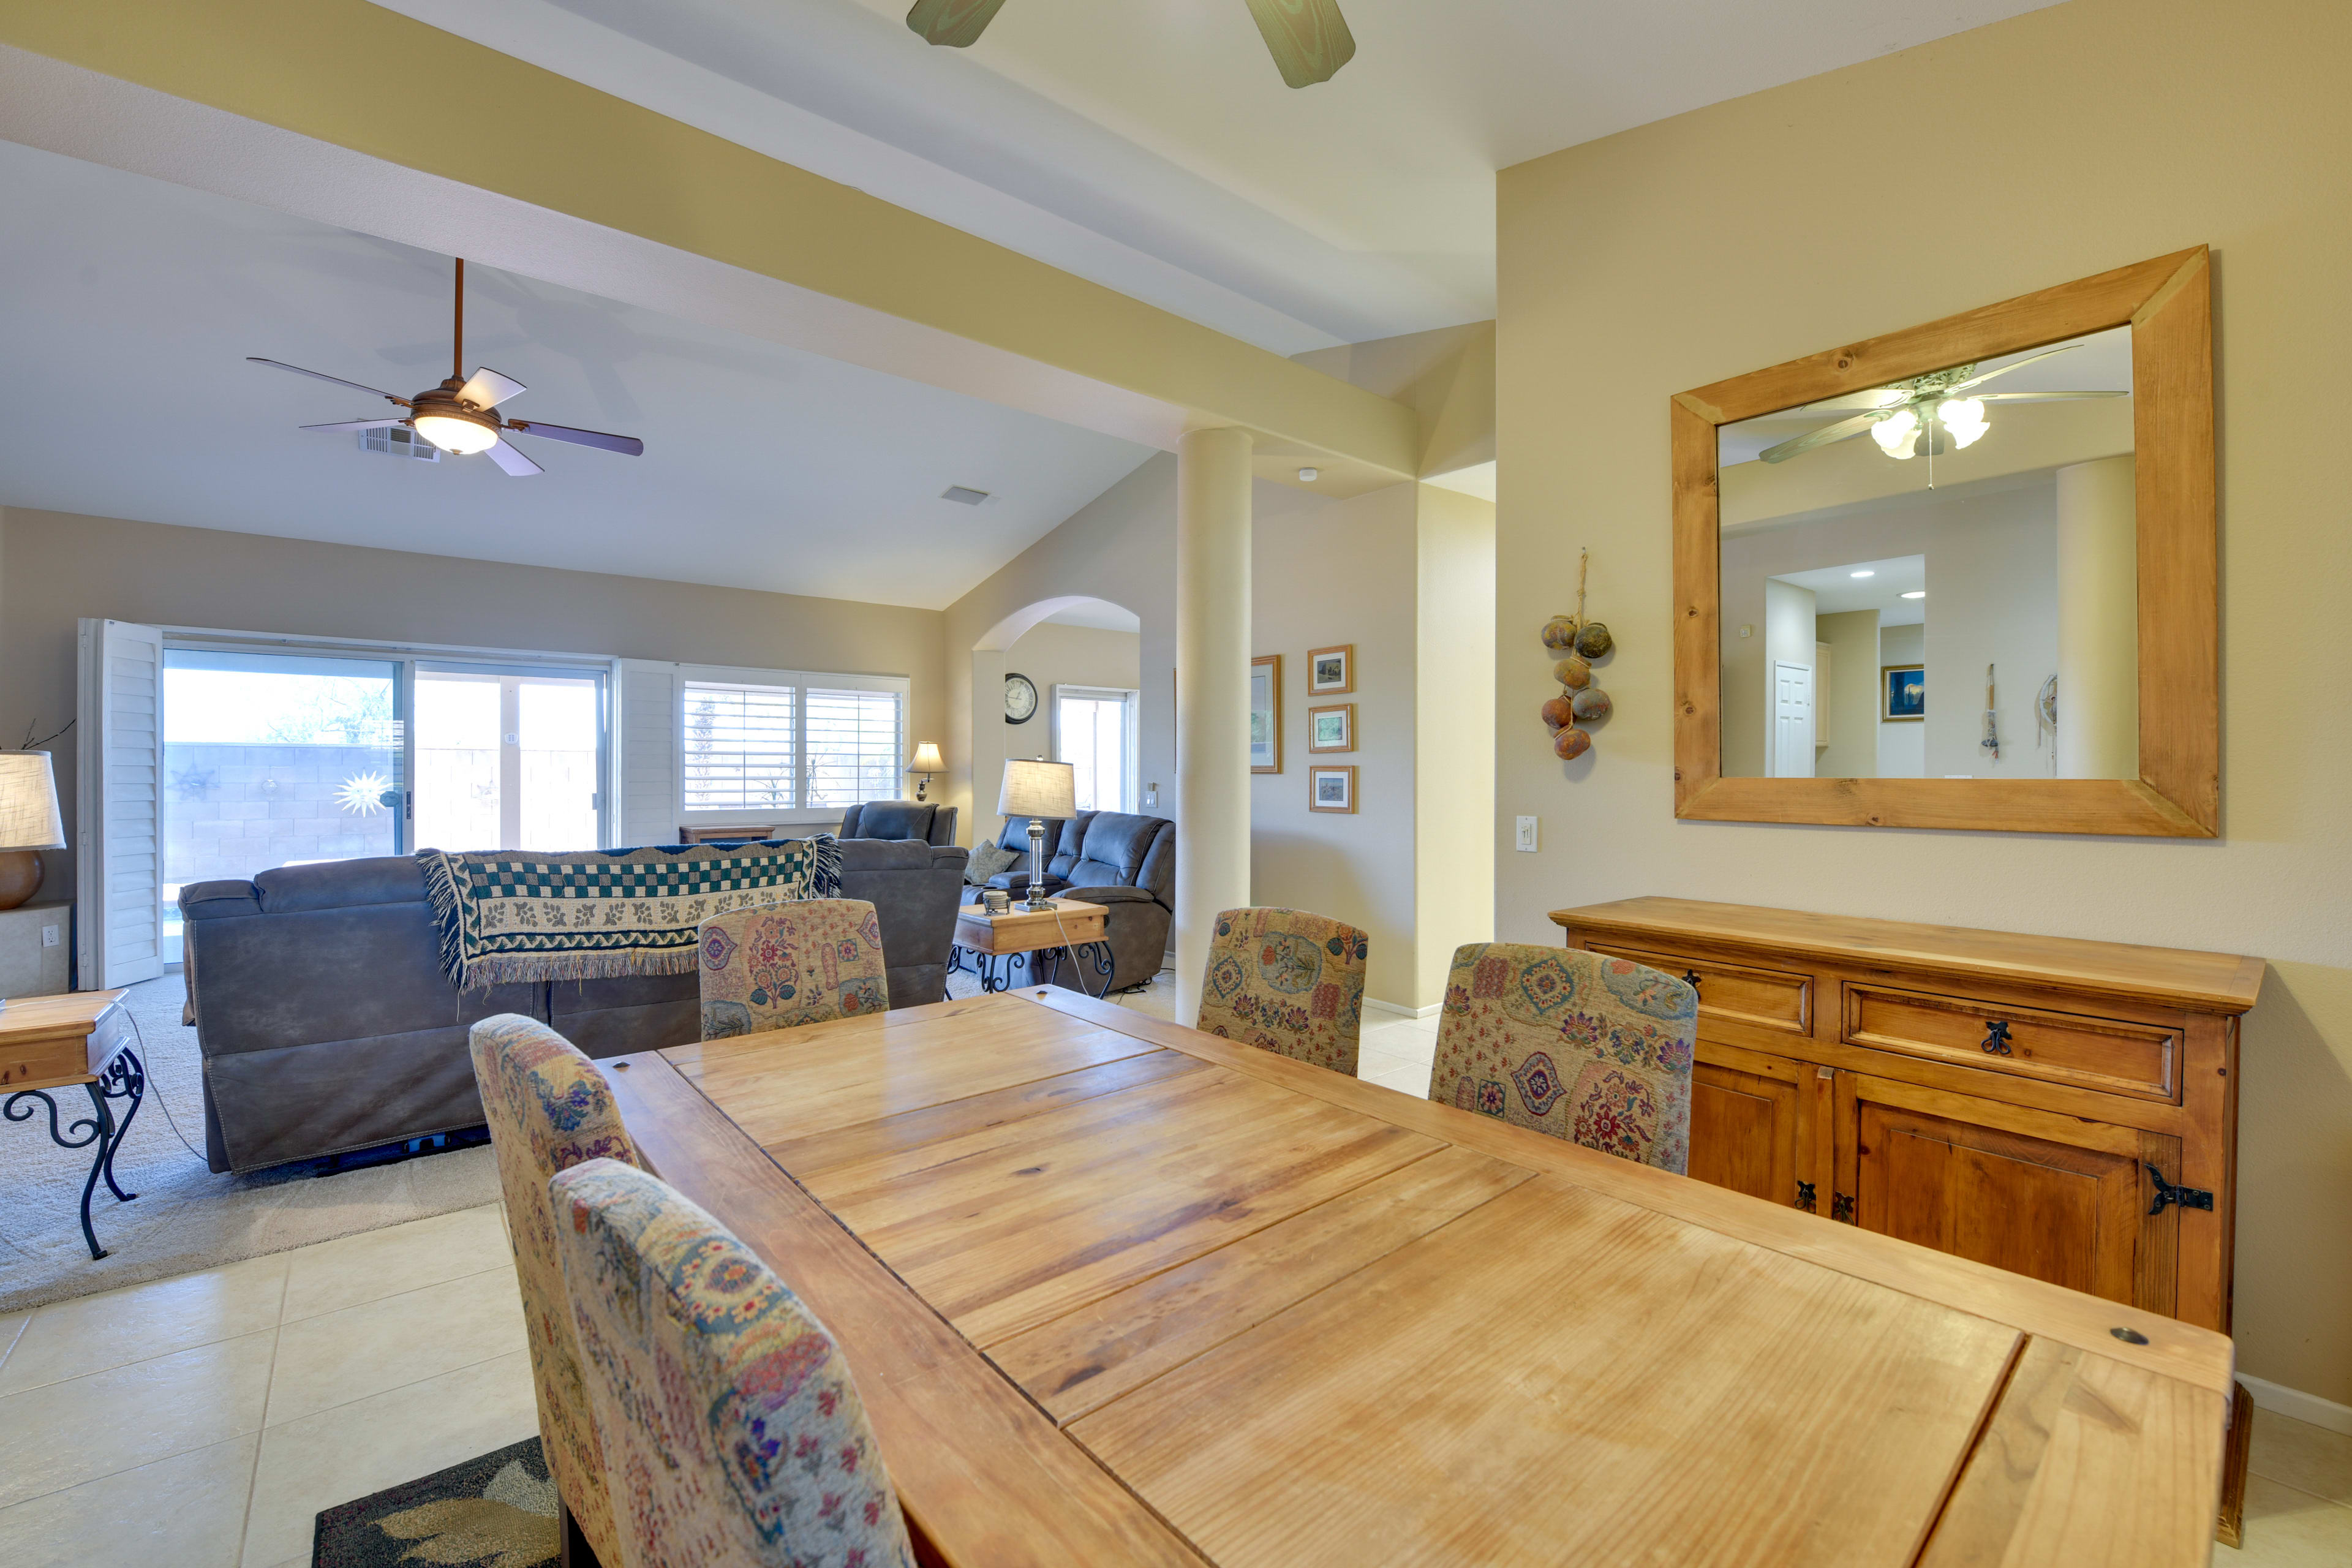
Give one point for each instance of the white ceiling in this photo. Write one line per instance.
(1837, 590)
(1151, 146)
(132, 304)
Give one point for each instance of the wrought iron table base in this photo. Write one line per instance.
(995, 970)
(125, 1078)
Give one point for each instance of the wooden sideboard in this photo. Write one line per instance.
(2062, 1109)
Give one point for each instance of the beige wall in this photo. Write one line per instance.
(1053, 654)
(2095, 134)
(59, 567)
(1454, 766)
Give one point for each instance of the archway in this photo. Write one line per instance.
(992, 739)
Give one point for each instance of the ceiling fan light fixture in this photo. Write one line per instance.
(453, 433)
(1896, 433)
(1964, 417)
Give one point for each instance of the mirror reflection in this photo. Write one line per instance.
(1937, 578)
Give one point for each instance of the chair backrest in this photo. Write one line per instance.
(1595, 1050)
(549, 1110)
(733, 1432)
(776, 966)
(1288, 981)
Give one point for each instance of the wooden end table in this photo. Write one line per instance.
(1070, 924)
(80, 1039)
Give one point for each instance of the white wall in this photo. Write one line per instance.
(1902, 742)
(1849, 699)
(1054, 655)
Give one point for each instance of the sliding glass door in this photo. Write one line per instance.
(508, 758)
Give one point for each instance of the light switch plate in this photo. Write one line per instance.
(1527, 835)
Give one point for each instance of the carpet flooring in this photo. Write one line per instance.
(499, 1511)
(185, 1218)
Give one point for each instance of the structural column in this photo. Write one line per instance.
(1213, 654)
(2098, 620)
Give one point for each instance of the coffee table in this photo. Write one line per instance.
(81, 1039)
(1067, 924)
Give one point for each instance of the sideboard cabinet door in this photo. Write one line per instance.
(2053, 1196)
(1752, 1126)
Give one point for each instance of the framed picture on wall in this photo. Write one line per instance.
(1330, 672)
(1265, 714)
(1331, 789)
(1902, 691)
(1331, 728)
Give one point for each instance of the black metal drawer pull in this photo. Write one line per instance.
(1996, 1040)
(1691, 977)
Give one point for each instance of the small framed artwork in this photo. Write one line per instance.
(1332, 727)
(1331, 789)
(1330, 672)
(1265, 714)
(1902, 692)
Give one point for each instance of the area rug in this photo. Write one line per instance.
(186, 1218)
(505, 918)
(497, 1511)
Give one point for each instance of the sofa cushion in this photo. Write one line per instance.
(896, 819)
(987, 861)
(1113, 850)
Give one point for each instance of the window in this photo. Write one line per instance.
(1093, 731)
(740, 747)
(852, 746)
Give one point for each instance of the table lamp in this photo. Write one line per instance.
(1037, 790)
(28, 823)
(927, 763)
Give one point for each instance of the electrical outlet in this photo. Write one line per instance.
(48, 936)
(1152, 795)
(1527, 835)
(1748, 631)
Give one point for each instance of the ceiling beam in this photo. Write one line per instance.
(389, 108)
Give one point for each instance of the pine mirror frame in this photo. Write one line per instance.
(2167, 304)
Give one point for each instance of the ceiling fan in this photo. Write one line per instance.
(1309, 38)
(1901, 415)
(460, 416)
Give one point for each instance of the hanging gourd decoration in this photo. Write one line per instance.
(1579, 700)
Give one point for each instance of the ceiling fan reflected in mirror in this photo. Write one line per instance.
(1933, 411)
(1309, 38)
(460, 415)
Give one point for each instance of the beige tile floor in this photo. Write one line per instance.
(201, 1422)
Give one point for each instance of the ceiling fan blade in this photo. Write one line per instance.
(322, 375)
(357, 425)
(2043, 396)
(627, 444)
(1309, 38)
(517, 465)
(488, 388)
(1824, 436)
(957, 24)
(1873, 398)
(2020, 365)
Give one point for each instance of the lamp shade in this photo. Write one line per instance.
(1039, 789)
(927, 760)
(29, 803)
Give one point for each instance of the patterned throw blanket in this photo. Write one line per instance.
(591, 914)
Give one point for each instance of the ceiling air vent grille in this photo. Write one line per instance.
(400, 441)
(964, 493)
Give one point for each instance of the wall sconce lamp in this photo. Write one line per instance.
(927, 763)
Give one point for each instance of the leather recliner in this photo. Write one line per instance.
(922, 821)
(1123, 862)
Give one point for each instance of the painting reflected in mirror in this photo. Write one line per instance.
(1936, 577)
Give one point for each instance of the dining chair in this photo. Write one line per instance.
(549, 1109)
(777, 966)
(733, 1432)
(1592, 1049)
(1288, 981)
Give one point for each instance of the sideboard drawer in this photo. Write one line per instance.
(1736, 993)
(2109, 1054)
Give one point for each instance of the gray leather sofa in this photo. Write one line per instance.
(1126, 864)
(931, 823)
(326, 1024)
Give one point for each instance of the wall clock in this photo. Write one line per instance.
(1020, 699)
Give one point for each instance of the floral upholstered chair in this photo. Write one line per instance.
(1596, 1051)
(549, 1110)
(1288, 981)
(732, 1433)
(776, 966)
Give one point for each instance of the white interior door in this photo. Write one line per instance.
(118, 794)
(1793, 721)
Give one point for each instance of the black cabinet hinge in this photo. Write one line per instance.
(2166, 1192)
(1842, 1207)
(1805, 1196)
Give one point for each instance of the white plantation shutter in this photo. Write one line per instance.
(853, 746)
(646, 753)
(739, 748)
(118, 749)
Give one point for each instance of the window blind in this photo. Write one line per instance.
(853, 750)
(740, 747)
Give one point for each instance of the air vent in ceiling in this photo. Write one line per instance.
(400, 442)
(964, 493)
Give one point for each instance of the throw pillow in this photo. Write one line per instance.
(988, 861)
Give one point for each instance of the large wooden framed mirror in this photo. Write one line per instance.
(1960, 576)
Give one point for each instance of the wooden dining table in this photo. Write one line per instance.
(1118, 1291)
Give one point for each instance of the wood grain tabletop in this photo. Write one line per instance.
(1118, 1291)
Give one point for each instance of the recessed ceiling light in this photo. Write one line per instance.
(964, 493)
(1309, 475)
(1919, 593)
(1861, 573)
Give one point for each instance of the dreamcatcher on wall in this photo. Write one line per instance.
(1580, 644)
